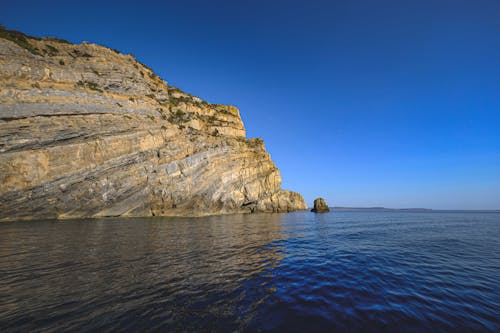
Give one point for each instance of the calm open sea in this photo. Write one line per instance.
(343, 271)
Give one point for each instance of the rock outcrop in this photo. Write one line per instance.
(86, 131)
(320, 206)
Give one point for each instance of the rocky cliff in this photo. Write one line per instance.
(86, 131)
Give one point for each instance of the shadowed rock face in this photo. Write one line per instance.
(320, 206)
(87, 132)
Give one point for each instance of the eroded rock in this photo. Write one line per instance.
(320, 206)
(86, 131)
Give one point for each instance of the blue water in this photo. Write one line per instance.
(342, 271)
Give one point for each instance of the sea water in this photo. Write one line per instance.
(343, 271)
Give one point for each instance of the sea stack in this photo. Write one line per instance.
(320, 206)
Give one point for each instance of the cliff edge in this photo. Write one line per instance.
(86, 131)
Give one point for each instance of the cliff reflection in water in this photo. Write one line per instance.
(299, 272)
(137, 273)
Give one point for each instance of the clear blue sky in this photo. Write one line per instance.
(366, 103)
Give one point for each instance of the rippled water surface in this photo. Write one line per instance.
(301, 272)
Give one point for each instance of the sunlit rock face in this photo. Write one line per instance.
(87, 132)
(320, 206)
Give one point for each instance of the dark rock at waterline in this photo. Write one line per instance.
(320, 206)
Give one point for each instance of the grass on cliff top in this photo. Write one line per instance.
(19, 38)
(190, 99)
(187, 98)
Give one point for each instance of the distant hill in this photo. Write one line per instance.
(382, 209)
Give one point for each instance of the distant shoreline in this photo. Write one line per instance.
(381, 208)
(385, 209)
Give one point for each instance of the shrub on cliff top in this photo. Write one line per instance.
(83, 54)
(51, 51)
(55, 39)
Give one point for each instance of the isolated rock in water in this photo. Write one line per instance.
(86, 131)
(320, 206)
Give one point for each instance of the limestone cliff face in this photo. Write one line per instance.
(86, 132)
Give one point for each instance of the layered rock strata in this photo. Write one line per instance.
(86, 131)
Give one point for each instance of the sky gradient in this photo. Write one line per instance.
(365, 103)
